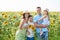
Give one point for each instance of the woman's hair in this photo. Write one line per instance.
(47, 14)
(24, 15)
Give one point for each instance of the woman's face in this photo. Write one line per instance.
(26, 15)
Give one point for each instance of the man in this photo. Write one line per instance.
(44, 36)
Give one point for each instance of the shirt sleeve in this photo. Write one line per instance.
(34, 19)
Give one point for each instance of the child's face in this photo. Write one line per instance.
(44, 13)
(31, 19)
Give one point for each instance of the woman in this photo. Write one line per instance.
(21, 32)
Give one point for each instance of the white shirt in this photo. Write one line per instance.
(30, 30)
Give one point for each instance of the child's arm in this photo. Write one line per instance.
(42, 17)
(48, 27)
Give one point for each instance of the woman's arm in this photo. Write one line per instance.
(21, 23)
(42, 17)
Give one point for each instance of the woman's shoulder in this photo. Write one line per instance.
(22, 21)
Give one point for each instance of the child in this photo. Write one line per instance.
(31, 28)
(45, 19)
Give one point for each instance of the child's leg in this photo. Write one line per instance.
(41, 31)
(28, 38)
(32, 38)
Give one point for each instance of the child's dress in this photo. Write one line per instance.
(45, 22)
(21, 33)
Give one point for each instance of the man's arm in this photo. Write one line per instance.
(40, 26)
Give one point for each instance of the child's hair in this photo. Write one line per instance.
(47, 14)
(30, 16)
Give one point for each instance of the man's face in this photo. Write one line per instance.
(38, 10)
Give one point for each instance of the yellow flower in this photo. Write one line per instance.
(4, 13)
(17, 23)
(5, 23)
(14, 17)
(5, 16)
(32, 27)
(29, 26)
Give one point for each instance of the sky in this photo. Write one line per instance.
(30, 5)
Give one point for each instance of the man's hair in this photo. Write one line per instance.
(39, 7)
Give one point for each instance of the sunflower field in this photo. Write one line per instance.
(9, 22)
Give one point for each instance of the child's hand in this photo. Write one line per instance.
(38, 20)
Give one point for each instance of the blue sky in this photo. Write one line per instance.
(20, 5)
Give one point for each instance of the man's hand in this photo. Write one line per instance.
(40, 26)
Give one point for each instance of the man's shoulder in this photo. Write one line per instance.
(35, 16)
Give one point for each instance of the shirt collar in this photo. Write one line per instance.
(39, 14)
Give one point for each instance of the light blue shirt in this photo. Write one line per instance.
(36, 18)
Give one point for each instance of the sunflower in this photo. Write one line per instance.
(29, 26)
(5, 16)
(5, 23)
(32, 27)
(17, 23)
(4, 13)
(14, 17)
